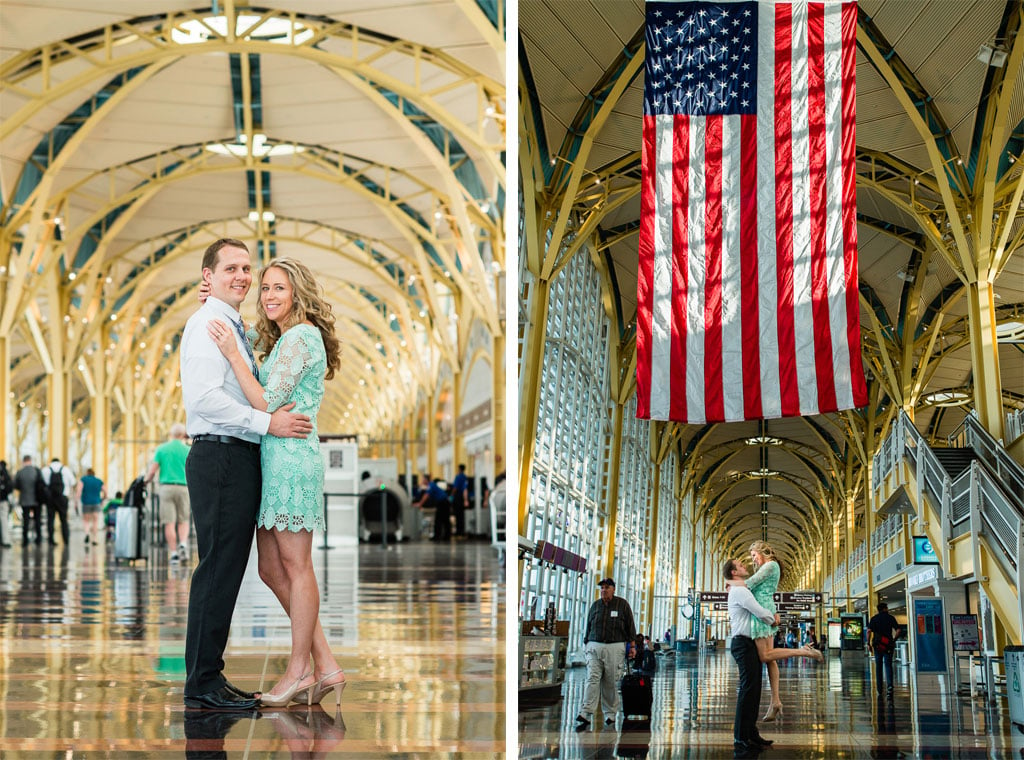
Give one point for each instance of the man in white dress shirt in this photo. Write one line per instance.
(223, 475)
(743, 608)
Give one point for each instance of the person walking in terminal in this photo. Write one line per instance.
(28, 482)
(884, 632)
(223, 476)
(59, 482)
(295, 332)
(90, 493)
(743, 612)
(460, 501)
(610, 626)
(169, 461)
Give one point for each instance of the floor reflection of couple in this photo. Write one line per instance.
(308, 732)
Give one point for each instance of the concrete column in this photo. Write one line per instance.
(988, 399)
(529, 386)
(611, 496)
(498, 390)
(99, 417)
(6, 407)
(652, 539)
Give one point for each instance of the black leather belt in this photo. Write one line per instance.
(230, 440)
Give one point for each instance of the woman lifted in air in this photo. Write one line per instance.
(763, 584)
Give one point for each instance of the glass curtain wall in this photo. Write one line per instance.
(633, 529)
(666, 571)
(565, 500)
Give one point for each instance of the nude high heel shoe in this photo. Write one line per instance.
(318, 691)
(774, 713)
(282, 699)
(813, 653)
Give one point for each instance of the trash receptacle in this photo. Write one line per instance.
(1013, 662)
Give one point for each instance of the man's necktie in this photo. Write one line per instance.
(248, 349)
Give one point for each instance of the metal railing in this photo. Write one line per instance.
(976, 502)
(1014, 425)
(972, 434)
(890, 527)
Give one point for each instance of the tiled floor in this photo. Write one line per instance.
(830, 711)
(91, 657)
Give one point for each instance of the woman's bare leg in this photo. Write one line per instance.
(272, 573)
(765, 648)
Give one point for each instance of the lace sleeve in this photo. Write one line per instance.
(294, 359)
(767, 573)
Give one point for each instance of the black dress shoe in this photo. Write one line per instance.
(760, 741)
(745, 749)
(239, 693)
(220, 699)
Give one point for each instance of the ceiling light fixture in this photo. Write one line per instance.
(260, 147)
(992, 54)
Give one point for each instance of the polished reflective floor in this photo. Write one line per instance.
(92, 656)
(830, 711)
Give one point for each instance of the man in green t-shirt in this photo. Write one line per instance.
(169, 460)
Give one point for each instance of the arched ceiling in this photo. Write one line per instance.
(939, 140)
(366, 139)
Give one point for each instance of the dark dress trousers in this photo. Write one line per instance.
(748, 700)
(224, 485)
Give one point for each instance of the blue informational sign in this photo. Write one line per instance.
(924, 552)
(930, 637)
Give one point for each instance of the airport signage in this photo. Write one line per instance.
(791, 607)
(798, 597)
(714, 596)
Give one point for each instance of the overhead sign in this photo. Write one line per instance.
(714, 596)
(797, 597)
(791, 607)
(719, 606)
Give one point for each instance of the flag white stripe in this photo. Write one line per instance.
(768, 296)
(661, 319)
(834, 206)
(803, 313)
(732, 326)
(696, 263)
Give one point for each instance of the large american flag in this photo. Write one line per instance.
(747, 292)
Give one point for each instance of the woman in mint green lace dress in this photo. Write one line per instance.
(295, 332)
(763, 585)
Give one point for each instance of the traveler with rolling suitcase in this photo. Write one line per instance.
(128, 523)
(609, 627)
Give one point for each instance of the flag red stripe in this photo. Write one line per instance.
(680, 252)
(645, 281)
(818, 187)
(849, 220)
(714, 402)
(752, 408)
(789, 390)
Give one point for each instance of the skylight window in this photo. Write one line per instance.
(275, 30)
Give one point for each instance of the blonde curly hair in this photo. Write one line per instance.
(308, 305)
(765, 550)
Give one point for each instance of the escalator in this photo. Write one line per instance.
(966, 490)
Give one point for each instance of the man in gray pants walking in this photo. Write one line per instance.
(609, 626)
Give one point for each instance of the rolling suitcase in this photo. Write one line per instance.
(637, 697)
(128, 532)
